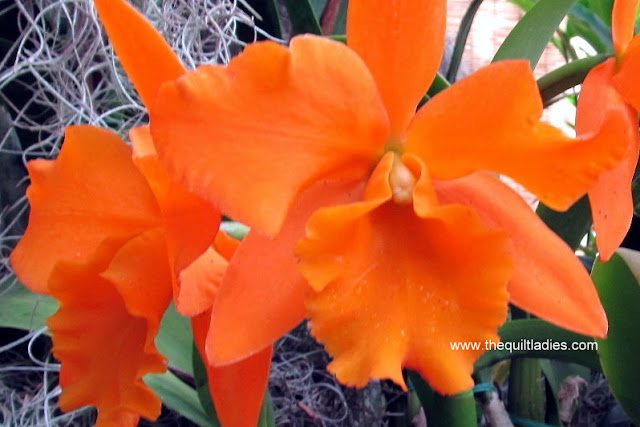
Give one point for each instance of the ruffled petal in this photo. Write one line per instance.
(626, 78)
(549, 280)
(237, 389)
(145, 55)
(105, 350)
(199, 283)
(250, 136)
(90, 193)
(395, 290)
(611, 199)
(190, 223)
(623, 22)
(490, 121)
(402, 43)
(262, 294)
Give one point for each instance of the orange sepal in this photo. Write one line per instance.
(500, 131)
(626, 77)
(91, 192)
(262, 294)
(145, 55)
(249, 137)
(403, 288)
(105, 351)
(402, 43)
(237, 389)
(190, 223)
(549, 280)
(623, 22)
(611, 198)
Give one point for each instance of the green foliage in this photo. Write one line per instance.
(22, 309)
(620, 295)
(532, 34)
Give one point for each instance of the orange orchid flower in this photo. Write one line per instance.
(388, 214)
(612, 88)
(115, 239)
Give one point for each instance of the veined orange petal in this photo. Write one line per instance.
(145, 55)
(250, 136)
(262, 293)
(403, 288)
(549, 281)
(611, 199)
(104, 350)
(626, 78)
(623, 22)
(490, 121)
(237, 389)
(402, 42)
(190, 223)
(91, 192)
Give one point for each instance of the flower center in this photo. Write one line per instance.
(402, 181)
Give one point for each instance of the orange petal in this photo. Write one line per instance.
(611, 199)
(549, 281)
(225, 245)
(262, 294)
(490, 121)
(250, 136)
(401, 288)
(626, 78)
(402, 43)
(623, 22)
(190, 223)
(199, 283)
(237, 389)
(145, 55)
(105, 351)
(90, 193)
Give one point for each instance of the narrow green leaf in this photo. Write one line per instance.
(174, 340)
(267, 416)
(591, 28)
(620, 295)
(202, 384)
(458, 410)
(303, 19)
(461, 39)
(22, 309)
(572, 225)
(523, 335)
(526, 390)
(532, 34)
(570, 75)
(180, 397)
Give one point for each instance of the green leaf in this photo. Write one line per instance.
(458, 410)
(202, 384)
(532, 34)
(22, 309)
(572, 225)
(461, 39)
(523, 335)
(586, 24)
(303, 18)
(267, 416)
(620, 295)
(570, 75)
(175, 340)
(180, 397)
